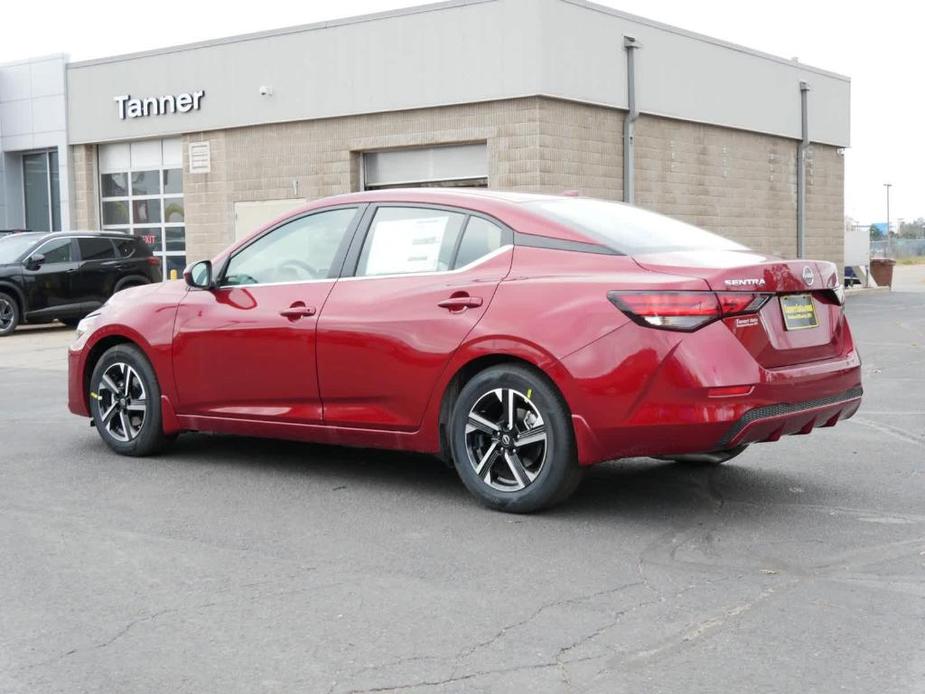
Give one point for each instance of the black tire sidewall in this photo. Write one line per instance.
(16, 315)
(560, 472)
(151, 439)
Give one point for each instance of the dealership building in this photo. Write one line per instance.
(192, 146)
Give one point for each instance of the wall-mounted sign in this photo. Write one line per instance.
(134, 107)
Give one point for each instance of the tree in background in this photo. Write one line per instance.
(913, 230)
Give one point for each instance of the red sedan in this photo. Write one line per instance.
(523, 337)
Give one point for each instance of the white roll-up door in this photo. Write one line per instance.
(446, 165)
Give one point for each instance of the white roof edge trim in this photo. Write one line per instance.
(586, 4)
(284, 31)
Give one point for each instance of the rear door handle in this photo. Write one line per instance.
(296, 312)
(458, 303)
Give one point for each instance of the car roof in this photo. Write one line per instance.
(511, 208)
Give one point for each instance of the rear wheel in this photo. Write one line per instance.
(9, 314)
(125, 401)
(512, 440)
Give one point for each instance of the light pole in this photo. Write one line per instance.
(889, 239)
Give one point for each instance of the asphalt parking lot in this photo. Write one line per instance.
(241, 565)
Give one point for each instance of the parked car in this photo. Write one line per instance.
(66, 275)
(521, 337)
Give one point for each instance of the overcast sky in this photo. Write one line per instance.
(878, 44)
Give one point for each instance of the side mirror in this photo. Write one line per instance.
(34, 262)
(199, 275)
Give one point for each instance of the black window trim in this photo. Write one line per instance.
(351, 264)
(557, 244)
(337, 264)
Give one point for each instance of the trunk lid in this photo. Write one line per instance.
(766, 335)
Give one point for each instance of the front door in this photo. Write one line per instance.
(47, 276)
(246, 349)
(424, 278)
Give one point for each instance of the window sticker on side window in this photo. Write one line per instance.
(406, 246)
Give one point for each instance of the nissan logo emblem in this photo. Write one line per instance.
(808, 276)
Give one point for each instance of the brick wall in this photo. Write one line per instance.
(84, 202)
(737, 183)
(741, 185)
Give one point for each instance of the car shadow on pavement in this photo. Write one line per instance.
(637, 489)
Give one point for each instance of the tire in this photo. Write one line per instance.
(112, 409)
(486, 461)
(707, 459)
(9, 314)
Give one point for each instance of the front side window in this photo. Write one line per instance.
(408, 240)
(631, 230)
(57, 251)
(298, 251)
(96, 249)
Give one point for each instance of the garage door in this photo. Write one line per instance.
(449, 165)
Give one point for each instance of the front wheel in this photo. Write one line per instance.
(512, 440)
(125, 402)
(9, 314)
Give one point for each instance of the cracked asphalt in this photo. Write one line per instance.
(241, 565)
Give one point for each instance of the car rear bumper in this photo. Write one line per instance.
(665, 399)
(770, 422)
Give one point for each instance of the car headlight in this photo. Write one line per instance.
(86, 325)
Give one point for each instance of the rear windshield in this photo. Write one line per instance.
(14, 245)
(630, 230)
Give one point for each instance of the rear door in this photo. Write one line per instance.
(97, 270)
(422, 279)
(246, 349)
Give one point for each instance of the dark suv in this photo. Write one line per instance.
(66, 275)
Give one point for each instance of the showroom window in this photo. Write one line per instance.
(41, 195)
(443, 166)
(141, 193)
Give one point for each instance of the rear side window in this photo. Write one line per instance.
(409, 240)
(130, 248)
(96, 249)
(630, 230)
(480, 238)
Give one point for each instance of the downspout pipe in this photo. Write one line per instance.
(801, 171)
(629, 123)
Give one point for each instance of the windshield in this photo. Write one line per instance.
(14, 245)
(631, 230)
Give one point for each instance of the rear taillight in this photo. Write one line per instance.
(154, 260)
(684, 311)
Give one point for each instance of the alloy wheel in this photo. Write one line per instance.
(122, 401)
(7, 313)
(506, 439)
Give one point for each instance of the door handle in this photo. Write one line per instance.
(460, 303)
(293, 313)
